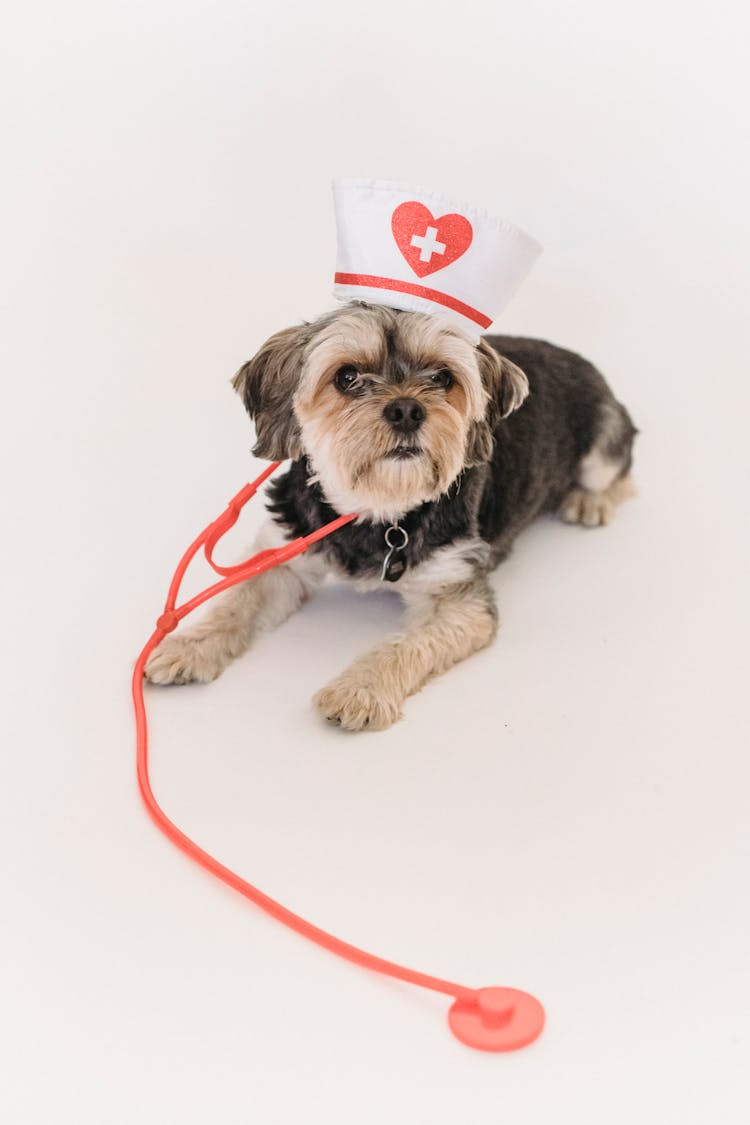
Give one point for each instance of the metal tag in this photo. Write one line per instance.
(394, 564)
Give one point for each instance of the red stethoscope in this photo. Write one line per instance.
(490, 1019)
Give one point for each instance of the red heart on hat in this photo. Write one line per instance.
(427, 243)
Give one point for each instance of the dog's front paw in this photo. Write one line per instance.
(357, 702)
(183, 660)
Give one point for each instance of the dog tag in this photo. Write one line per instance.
(394, 564)
(393, 567)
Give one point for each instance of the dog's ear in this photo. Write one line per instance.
(506, 387)
(505, 383)
(266, 384)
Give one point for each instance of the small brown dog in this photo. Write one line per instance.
(446, 449)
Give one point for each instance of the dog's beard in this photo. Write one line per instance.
(363, 466)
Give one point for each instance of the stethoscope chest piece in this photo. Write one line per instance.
(501, 1019)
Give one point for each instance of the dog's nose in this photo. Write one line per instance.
(404, 414)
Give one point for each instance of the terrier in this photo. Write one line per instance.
(446, 449)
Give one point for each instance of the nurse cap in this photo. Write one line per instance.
(409, 248)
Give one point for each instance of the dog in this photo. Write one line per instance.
(446, 449)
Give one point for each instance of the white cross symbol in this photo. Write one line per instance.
(428, 244)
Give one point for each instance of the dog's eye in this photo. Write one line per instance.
(442, 378)
(346, 377)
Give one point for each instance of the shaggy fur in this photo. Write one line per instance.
(399, 417)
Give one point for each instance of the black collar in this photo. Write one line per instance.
(299, 506)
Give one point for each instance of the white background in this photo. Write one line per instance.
(566, 812)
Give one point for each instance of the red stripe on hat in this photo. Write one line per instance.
(415, 291)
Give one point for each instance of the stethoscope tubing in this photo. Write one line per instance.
(168, 621)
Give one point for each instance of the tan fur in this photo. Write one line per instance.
(450, 615)
(347, 440)
(432, 343)
(202, 652)
(444, 628)
(353, 336)
(595, 508)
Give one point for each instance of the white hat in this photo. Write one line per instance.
(408, 248)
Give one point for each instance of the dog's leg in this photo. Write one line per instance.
(442, 628)
(203, 652)
(603, 479)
